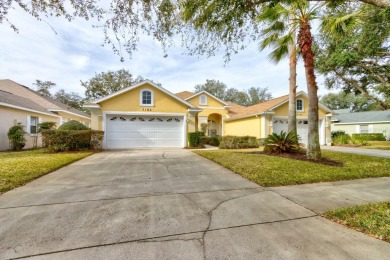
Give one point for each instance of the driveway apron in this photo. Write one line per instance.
(165, 204)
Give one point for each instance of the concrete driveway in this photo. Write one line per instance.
(165, 204)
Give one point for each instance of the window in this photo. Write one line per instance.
(300, 107)
(33, 125)
(363, 129)
(203, 100)
(146, 98)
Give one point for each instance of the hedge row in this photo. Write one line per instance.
(72, 140)
(214, 141)
(370, 137)
(238, 142)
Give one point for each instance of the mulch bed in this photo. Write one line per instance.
(302, 157)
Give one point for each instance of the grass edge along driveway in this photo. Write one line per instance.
(268, 171)
(372, 219)
(19, 168)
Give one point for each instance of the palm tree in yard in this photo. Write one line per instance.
(284, 45)
(280, 34)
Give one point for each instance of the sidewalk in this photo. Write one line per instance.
(321, 197)
(356, 150)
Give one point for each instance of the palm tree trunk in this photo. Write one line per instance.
(292, 109)
(305, 41)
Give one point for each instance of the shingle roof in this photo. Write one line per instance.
(363, 117)
(14, 100)
(46, 102)
(184, 94)
(65, 107)
(240, 111)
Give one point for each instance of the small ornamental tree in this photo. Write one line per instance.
(16, 137)
(73, 125)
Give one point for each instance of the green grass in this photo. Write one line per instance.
(372, 219)
(18, 168)
(382, 145)
(268, 170)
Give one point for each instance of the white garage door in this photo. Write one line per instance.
(132, 131)
(302, 128)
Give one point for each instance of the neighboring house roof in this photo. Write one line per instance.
(362, 117)
(184, 94)
(10, 100)
(48, 103)
(65, 108)
(342, 111)
(139, 85)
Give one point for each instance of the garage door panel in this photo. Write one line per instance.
(144, 131)
(302, 128)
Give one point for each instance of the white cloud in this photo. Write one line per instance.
(76, 53)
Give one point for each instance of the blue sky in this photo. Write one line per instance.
(75, 53)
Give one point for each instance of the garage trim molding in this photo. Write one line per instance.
(126, 113)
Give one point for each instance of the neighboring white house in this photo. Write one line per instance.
(362, 122)
(21, 105)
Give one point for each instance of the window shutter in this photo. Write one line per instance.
(28, 130)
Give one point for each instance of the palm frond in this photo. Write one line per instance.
(339, 25)
(271, 40)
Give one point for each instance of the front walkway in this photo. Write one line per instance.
(357, 150)
(167, 204)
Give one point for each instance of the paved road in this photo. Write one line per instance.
(165, 204)
(357, 150)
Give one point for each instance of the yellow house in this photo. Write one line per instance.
(147, 115)
(22, 105)
(272, 117)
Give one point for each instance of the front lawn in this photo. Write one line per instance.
(372, 219)
(18, 168)
(382, 145)
(267, 170)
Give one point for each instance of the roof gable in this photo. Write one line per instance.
(210, 95)
(141, 84)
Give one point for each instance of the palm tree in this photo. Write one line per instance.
(278, 34)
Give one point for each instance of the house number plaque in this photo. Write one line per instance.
(146, 109)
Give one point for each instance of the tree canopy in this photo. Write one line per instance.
(220, 90)
(358, 61)
(351, 101)
(43, 87)
(105, 83)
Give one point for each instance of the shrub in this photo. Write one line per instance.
(46, 126)
(16, 137)
(369, 137)
(238, 142)
(335, 134)
(194, 138)
(73, 125)
(342, 139)
(205, 140)
(282, 143)
(215, 140)
(72, 140)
